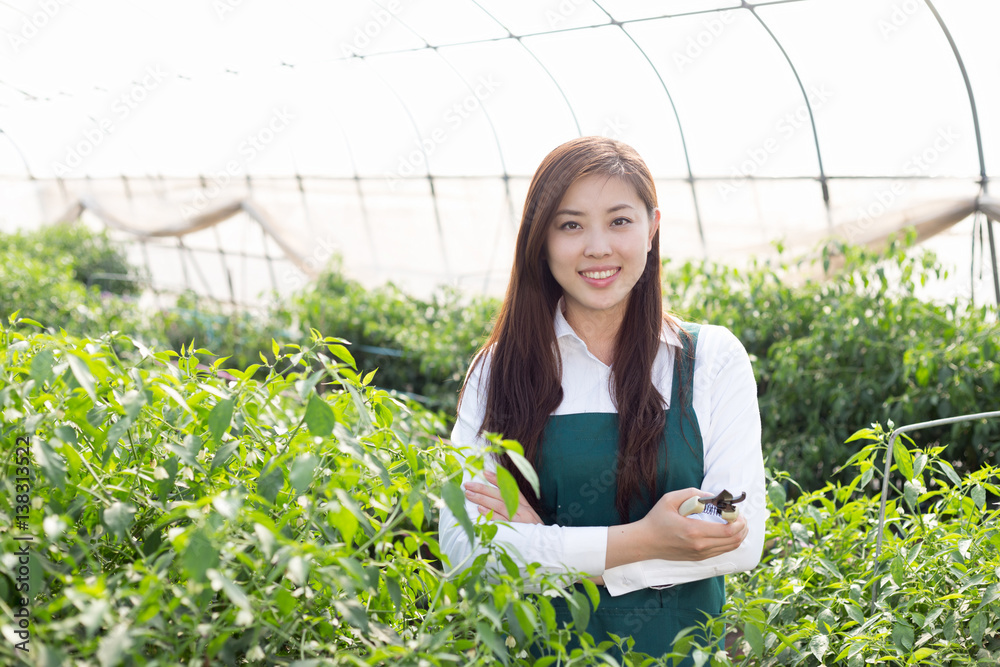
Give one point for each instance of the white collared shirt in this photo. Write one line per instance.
(725, 403)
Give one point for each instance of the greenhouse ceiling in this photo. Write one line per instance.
(237, 146)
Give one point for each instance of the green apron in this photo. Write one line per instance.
(577, 483)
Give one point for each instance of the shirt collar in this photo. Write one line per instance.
(667, 335)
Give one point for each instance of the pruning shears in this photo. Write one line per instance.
(724, 504)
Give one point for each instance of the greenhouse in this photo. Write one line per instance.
(250, 252)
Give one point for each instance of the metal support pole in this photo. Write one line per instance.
(993, 257)
(885, 478)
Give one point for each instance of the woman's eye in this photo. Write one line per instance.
(569, 225)
(618, 222)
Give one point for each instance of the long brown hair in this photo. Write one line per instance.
(524, 382)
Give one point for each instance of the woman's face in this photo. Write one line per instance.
(597, 243)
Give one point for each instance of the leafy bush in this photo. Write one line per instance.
(421, 347)
(810, 603)
(178, 518)
(43, 288)
(839, 352)
(93, 258)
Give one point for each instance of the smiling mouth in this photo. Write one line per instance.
(600, 275)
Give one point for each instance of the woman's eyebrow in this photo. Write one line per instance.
(616, 207)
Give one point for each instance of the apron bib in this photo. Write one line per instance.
(577, 478)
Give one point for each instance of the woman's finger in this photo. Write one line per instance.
(487, 497)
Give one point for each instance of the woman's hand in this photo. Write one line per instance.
(677, 537)
(488, 497)
(665, 534)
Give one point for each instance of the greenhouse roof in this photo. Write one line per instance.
(247, 142)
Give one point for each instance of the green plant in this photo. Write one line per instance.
(94, 259)
(837, 352)
(181, 518)
(810, 602)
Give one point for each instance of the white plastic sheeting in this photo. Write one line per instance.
(402, 134)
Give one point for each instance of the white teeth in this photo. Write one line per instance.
(599, 275)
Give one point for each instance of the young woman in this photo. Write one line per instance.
(624, 411)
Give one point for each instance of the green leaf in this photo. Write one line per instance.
(220, 417)
(898, 571)
(904, 461)
(319, 416)
(199, 555)
(902, 636)
(343, 354)
(526, 619)
(508, 490)
(755, 638)
(819, 645)
(115, 433)
(592, 592)
(41, 367)
(82, 374)
(863, 434)
(978, 494)
(991, 593)
(525, 467)
(301, 474)
(353, 612)
(579, 608)
(854, 611)
(950, 473)
(454, 498)
(270, 482)
(486, 634)
(166, 485)
(776, 494)
(231, 589)
(118, 518)
(977, 627)
(223, 453)
(53, 464)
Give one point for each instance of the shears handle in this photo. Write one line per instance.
(693, 505)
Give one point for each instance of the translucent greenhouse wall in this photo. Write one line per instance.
(238, 146)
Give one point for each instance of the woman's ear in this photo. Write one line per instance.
(654, 225)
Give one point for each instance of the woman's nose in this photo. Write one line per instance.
(598, 245)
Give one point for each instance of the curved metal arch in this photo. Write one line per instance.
(493, 130)
(534, 56)
(680, 128)
(983, 178)
(812, 119)
(968, 89)
(430, 178)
